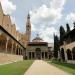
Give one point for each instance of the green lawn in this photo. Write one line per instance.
(17, 68)
(70, 68)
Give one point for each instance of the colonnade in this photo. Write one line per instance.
(34, 55)
(10, 45)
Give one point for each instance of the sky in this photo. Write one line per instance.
(46, 15)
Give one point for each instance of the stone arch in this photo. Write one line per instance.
(9, 46)
(62, 54)
(73, 53)
(69, 54)
(17, 51)
(3, 40)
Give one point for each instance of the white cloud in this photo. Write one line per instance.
(8, 6)
(48, 14)
(70, 18)
(33, 27)
(44, 16)
(57, 4)
(48, 33)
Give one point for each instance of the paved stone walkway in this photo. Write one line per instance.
(40, 67)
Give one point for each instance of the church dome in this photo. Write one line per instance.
(37, 39)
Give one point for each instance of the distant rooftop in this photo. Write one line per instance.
(37, 39)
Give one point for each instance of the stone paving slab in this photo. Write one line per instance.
(40, 67)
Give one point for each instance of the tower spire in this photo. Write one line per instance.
(28, 27)
(28, 16)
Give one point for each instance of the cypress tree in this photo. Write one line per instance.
(68, 28)
(62, 32)
(56, 46)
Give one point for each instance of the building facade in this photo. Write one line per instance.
(12, 41)
(37, 49)
(67, 47)
(10, 37)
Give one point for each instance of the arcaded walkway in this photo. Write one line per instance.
(40, 67)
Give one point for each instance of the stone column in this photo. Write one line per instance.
(58, 54)
(12, 47)
(7, 44)
(16, 49)
(19, 50)
(65, 56)
(22, 51)
(65, 51)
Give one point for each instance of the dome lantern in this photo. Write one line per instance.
(37, 39)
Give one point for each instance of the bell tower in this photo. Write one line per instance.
(28, 28)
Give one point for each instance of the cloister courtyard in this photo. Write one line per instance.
(36, 67)
(37, 37)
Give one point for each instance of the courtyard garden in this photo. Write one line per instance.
(70, 68)
(16, 68)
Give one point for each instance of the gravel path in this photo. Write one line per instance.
(40, 67)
